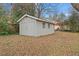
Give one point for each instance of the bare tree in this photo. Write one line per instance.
(39, 9)
(42, 8)
(75, 5)
(19, 9)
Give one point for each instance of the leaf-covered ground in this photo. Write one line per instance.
(59, 43)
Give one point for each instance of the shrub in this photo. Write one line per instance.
(4, 33)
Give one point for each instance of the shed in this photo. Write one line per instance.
(33, 26)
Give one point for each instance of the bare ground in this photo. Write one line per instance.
(59, 43)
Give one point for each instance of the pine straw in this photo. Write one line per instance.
(60, 43)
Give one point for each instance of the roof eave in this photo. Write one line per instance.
(38, 19)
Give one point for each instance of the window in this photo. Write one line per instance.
(43, 25)
(48, 25)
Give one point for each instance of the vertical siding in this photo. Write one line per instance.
(27, 27)
(31, 27)
(44, 31)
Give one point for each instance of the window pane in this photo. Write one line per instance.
(43, 25)
(48, 25)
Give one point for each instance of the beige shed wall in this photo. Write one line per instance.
(27, 27)
(44, 31)
(31, 27)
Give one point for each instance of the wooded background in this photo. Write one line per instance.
(8, 19)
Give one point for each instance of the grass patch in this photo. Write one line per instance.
(7, 33)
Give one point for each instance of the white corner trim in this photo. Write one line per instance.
(33, 18)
